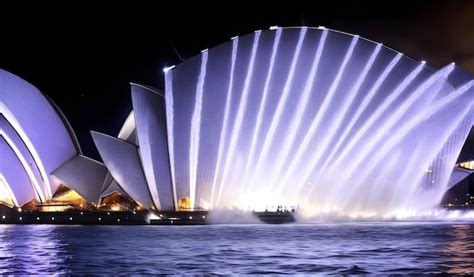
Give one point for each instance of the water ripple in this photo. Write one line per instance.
(239, 249)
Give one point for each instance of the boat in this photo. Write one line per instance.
(280, 216)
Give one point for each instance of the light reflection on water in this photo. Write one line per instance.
(462, 235)
(318, 248)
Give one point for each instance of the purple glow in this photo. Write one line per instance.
(316, 122)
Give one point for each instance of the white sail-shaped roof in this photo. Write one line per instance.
(37, 123)
(16, 175)
(314, 117)
(123, 162)
(84, 175)
(128, 130)
(150, 117)
(17, 145)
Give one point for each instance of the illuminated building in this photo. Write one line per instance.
(313, 117)
(41, 166)
(287, 116)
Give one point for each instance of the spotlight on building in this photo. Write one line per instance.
(168, 68)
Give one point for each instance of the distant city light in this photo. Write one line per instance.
(321, 27)
(205, 50)
(273, 27)
(423, 62)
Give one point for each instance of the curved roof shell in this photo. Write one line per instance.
(15, 174)
(150, 118)
(84, 175)
(37, 132)
(123, 162)
(277, 114)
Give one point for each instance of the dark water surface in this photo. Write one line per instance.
(373, 248)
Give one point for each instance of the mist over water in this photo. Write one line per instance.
(435, 215)
(342, 248)
(231, 216)
(240, 216)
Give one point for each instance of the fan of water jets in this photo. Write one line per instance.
(320, 119)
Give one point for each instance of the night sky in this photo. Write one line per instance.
(84, 57)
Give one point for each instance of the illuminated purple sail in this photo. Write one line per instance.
(317, 118)
(25, 116)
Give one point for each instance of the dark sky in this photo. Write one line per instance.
(84, 57)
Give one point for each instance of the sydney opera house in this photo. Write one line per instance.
(325, 120)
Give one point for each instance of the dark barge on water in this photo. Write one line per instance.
(277, 217)
(73, 217)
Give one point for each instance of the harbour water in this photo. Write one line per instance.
(342, 248)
